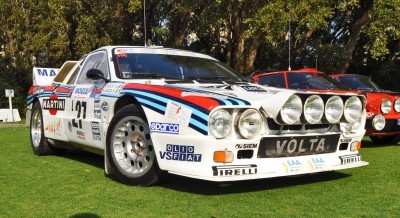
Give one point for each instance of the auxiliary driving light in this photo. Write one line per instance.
(334, 109)
(386, 106)
(378, 122)
(397, 105)
(313, 109)
(291, 110)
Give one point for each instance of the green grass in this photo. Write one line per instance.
(74, 185)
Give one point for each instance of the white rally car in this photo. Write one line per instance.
(152, 109)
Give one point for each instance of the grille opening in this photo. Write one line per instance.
(343, 146)
(245, 154)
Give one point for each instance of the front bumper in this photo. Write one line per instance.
(392, 127)
(194, 157)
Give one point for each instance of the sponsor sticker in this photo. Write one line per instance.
(82, 91)
(96, 131)
(53, 104)
(104, 106)
(38, 91)
(178, 113)
(171, 128)
(113, 88)
(317, 163)
(54, 127)
(293, 166)
(253, 89)
(235, 170)
(246, 146)
(348, 159)
(180, 153)
(80, 135)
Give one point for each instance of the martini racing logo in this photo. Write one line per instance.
(180, 153)
(171, 128)
(54, 104)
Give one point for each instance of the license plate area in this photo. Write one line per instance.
(297, 146)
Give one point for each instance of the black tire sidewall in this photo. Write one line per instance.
(43, 147)
(151, 177)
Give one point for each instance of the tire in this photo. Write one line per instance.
(38, 141)
(130, 150)
(384, 140)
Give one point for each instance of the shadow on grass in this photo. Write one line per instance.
(370, 144)
(202, 187)
(196, 186)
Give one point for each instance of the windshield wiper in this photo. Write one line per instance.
(152, 75)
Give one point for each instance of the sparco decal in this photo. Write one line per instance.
(244, 146)
(171, 128)
(347, 159)
(54, 104)
(235, 170)
(180, 153)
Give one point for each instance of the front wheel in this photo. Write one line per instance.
(130, 150)
(382, 140)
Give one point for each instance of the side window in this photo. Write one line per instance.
(97, 60)
(274, 80)
(72, 79)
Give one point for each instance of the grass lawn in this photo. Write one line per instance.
(74, 185)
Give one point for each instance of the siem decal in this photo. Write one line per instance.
(180, 153)
(96, 131)
(245, 146)
(348, 159)
(171, 128)
(53, 104)
(178, 113)
(345, 140)
(235, 170)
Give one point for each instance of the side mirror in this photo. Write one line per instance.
(95, 74)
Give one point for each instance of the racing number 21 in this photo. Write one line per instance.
(78, 107)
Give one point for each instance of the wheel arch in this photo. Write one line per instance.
(128, 100)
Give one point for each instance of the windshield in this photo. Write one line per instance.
(173, 68)
(358, 82)
(304, 80)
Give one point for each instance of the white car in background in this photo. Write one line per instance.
(152, 109)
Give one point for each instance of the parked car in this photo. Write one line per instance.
(152, 109)
(383, 108)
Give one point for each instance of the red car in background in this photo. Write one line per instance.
(383, 107)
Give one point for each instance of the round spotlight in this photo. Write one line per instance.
(334, 109)
(386, 106)
(397, 105)
(220, 123)
(352, 109)
(313, 109)
(291, 110)
(378, 122)
(249, 123)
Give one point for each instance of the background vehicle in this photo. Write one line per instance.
(383, 108)
(152, 109)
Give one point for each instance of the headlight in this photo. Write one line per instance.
(291, 110)
(352, 109)
(386, 106)
(220, 123)
(249, 124)
(313, 109)
(378, 122)
(334, 109)
(397, 105)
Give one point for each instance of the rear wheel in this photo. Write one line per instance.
(392, 139)
(38, 141)
(130, 150)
